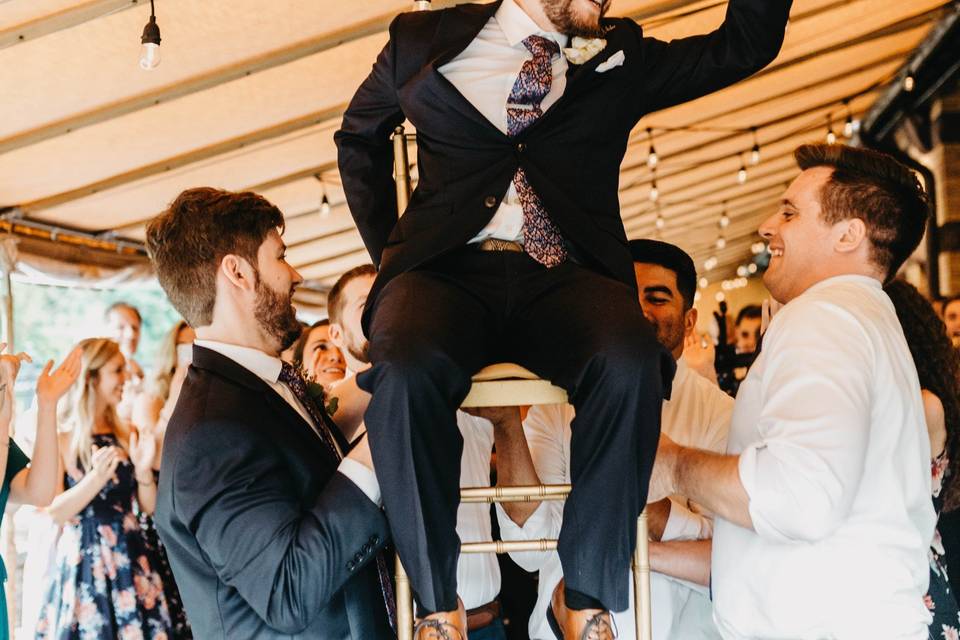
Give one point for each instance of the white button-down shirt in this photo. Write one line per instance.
(267, 368)
(835, 458)
(484, 73)
(697, 415)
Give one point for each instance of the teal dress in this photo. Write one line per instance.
(17, 461)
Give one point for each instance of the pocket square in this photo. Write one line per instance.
(613, 61)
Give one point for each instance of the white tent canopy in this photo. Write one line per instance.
(249, 94)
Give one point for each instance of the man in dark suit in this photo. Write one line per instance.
(512, 248)
(270, 530)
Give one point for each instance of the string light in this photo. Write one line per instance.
(660, 222)
(324, 200)
(831, 136)
(742, 271)
(150, 43)
(742, 173)
(710, 263)
(652, 158)
(908, 83)
(850, 127)
(752, 268)
(704, 283)
(724, 218)
(721, 242)
(758, 247)
(755, 151)
(654, 191)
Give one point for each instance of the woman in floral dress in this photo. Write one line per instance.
(938, 368)
(106, 584)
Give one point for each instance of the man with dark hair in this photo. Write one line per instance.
(271, 531)
(823, 512)
(514, 235)
(345, 304)
(747, 329)
(697, 414)
(951, 318)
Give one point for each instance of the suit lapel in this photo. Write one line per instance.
(457, 28)
(219, 364)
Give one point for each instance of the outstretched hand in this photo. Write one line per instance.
(52, 386)
(10, 365)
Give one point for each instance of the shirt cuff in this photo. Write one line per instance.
(684, 524)
(364, 478)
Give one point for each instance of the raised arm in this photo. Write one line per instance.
(286, 560)
(684, 69)
(365, 152)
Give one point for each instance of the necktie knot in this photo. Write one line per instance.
(541, 47)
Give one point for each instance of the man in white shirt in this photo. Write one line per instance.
(272, 525)
(822, 504)
(478, 575)
(697, 414)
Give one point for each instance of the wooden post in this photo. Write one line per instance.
(8, 261)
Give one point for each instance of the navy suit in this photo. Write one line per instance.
(265, 539)
(440, 310)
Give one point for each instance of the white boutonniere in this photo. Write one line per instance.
(615, 60)
(582, 49)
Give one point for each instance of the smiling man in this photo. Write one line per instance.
(513, 236)
(823, 511)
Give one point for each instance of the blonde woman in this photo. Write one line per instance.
(105, 584)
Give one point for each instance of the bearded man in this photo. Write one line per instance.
(512, 248)
(271, 523)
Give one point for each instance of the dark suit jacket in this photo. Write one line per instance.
(265, 539)
(571, 155)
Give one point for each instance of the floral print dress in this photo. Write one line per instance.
(940, 599)
(106, 583)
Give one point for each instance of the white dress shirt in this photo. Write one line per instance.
(835, 458)
(484, 73)
(267, 368)
(698, 415)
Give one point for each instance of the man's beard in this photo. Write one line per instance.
(358, 348)
(569, 22)
(669, 335)
(276, 315)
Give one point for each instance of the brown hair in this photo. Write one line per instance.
(874, 187)
(188, 241)
(335, 296)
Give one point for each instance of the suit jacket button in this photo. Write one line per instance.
(374, 539)
(490, 202)
(351, 565)
(521, 147)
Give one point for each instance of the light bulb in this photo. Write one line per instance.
(149, 56)
(741, 271)
(720, 297)
(724, 221)
(908, 83)
(831, 137)
(654, 192)
(752, 267)
(661, 223)
(721, 242)
(755, 155)
(742, 175)
(324, 206)
(703, 283)
(150, 44)
(848, 127)
(421, 5)
(652, 158)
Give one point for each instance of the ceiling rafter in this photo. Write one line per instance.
(63, 19)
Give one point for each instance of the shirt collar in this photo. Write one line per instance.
(847, 277)
(517, 25)
(262, 365)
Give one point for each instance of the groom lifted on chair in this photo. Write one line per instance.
(512, 249)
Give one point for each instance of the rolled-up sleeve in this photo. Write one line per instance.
(802, 474)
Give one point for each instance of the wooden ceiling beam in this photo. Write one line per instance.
(60, 20)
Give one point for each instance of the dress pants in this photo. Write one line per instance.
(433, 327)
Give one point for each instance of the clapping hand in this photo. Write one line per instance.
(52, 386)
(9, 368)
(143, 449)
(104, 463)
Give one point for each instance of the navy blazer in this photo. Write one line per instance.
(571, 155)
(265, 539)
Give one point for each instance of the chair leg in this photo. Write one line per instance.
(641, 580)
(404, 604)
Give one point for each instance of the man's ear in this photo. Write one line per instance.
(238, 272)
(852, 235)
(690, 322)
(335, 331)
